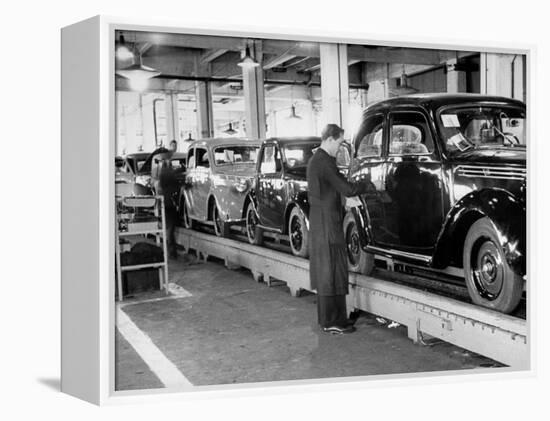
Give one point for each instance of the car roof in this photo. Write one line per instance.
(433, 101)
(220, 141)
(137, 155)
(296, 139)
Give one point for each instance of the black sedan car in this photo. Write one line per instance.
(448, 189)
(278, 200)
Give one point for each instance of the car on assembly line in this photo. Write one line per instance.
(278, 201)
(447, 176)
(218, 178)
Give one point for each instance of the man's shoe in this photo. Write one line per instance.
(339, 330)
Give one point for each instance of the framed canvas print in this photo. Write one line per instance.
(248, 211)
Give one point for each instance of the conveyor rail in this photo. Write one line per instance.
(498, 336)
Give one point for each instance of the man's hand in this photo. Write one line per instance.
(353, 202)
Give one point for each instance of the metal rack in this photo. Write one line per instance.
(152, 206)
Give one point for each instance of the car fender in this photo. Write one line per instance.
(506, 212)
(299, 199)
(360, 213)
(250, 198)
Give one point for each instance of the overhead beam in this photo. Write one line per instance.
(299, 49)
(278, 60)
(206, 42)
(313, 68)
(403, 56)
(211, 55)
(144, 48)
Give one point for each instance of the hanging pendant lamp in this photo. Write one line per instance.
(230, 130)
(248, 61)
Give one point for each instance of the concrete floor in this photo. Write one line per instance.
(234, 330)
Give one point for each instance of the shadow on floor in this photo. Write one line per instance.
(52, 383)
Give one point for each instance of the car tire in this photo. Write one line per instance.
(298, 233)
(359, 260)
(221, 228)
(253, 232)
(490, 280)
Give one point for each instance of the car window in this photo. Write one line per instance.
(299, 154)
(235, 155)
(410, 134)
(201, 158)
(343, 155)
(368, 141)
(191, 158)
(469, 126)
(271, 160)
(178, 165)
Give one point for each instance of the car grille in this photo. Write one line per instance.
(492, 172)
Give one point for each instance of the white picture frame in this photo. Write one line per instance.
(88, 270)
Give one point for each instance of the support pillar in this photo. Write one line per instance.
(503, 74)
(148, 123)
(172, 120)
(254, 95)
(335, 84)
(456, 80)
(205, 116)
(131, 124)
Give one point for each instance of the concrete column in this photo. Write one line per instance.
(205, 116)
(254, 95)
(131, 124)
(456, 80)
(502, 74)
(519, 79)
(172, 121)
(335, 84)
(147, 121)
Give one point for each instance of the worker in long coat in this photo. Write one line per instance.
(328, 266)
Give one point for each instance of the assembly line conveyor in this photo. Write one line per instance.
(498, 336)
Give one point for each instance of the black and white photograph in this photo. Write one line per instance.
(275, 211)
(299, 210)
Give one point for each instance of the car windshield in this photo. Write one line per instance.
(139, 164)
(229, 155)
(297, 155)
(470, 127)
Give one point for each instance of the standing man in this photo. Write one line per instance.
(328, 265)
(167, 186)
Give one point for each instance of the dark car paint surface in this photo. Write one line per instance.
(276, 193)
(420, 206)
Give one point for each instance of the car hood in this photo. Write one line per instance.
(514, 156)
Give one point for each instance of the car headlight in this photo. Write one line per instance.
(241, 185)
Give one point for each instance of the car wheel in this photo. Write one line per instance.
(221, 228)
(359, 260)
(298, 233)
(490, 280)
(187, 221)
(253, 232)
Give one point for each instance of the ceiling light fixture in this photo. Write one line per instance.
(122, 50)
(293, 114)
(247, 61)
(137, 72)
(230, 131)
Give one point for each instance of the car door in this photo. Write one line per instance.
(189, 181)
(201, 182)
(271, 188)
(413, 181)
(369, 164)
